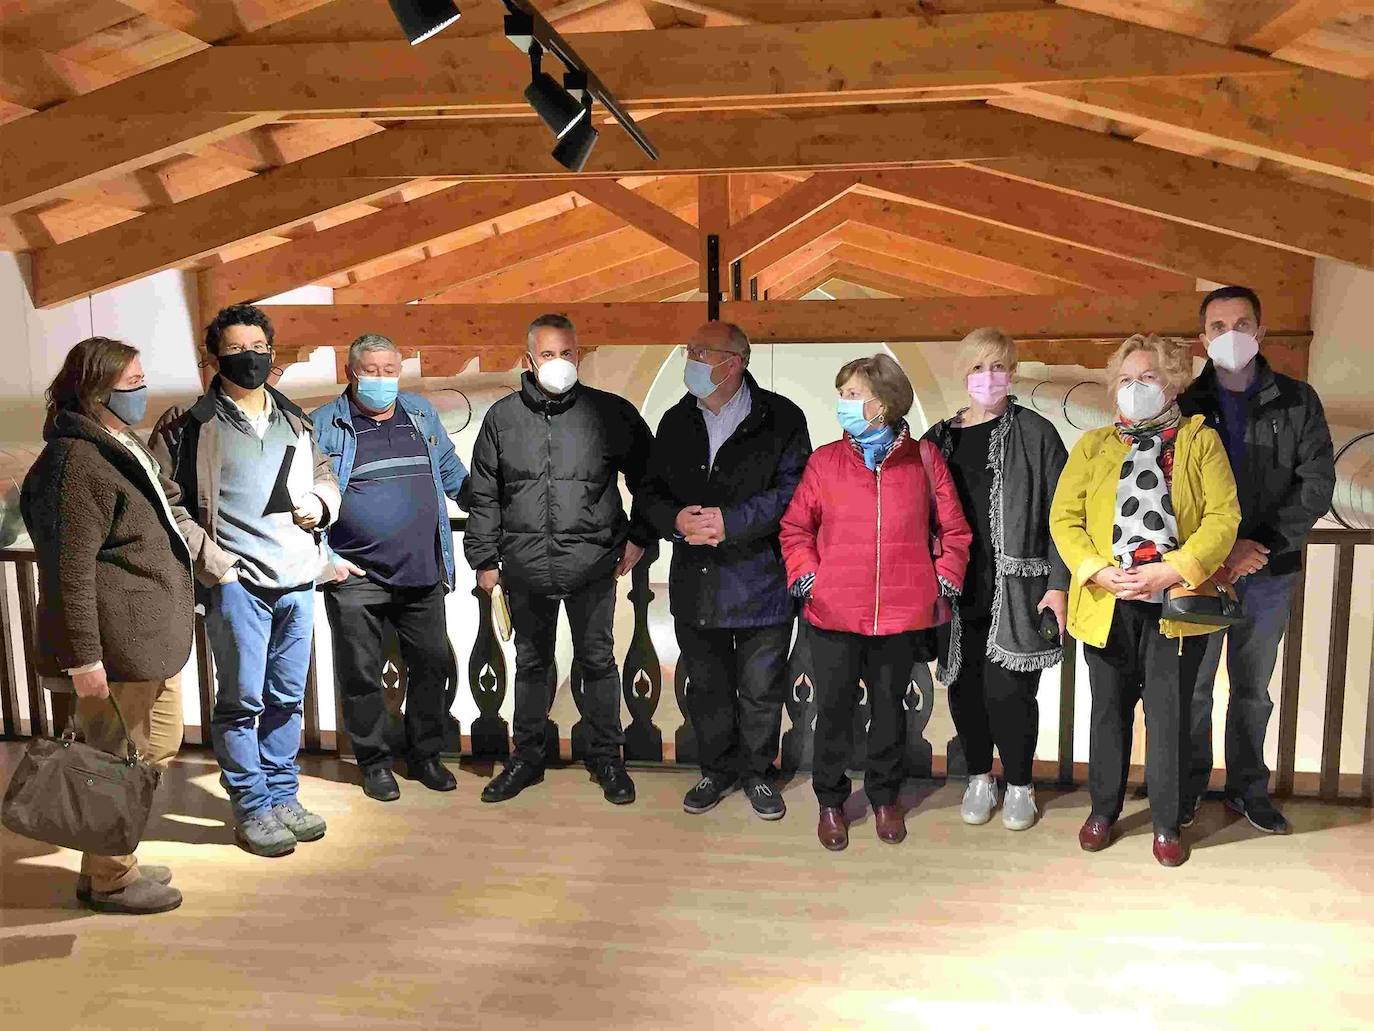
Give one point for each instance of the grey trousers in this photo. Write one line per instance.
(1251, 654)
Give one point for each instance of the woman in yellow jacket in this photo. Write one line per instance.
(1141, 506)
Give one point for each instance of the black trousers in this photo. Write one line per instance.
(534, 617)
(1138, 663)
(838, 662)
(992, 705)
(358, 610)
(736, 694)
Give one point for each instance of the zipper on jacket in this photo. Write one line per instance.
(878, 567)
(1274, 425)
(548, 490)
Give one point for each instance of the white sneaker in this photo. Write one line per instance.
(980, 799)
(1018, 810)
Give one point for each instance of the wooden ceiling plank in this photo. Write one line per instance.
(821, 222)
(637, 210)
(713, 219)
(368, 238)
(897, 282)
(775, 218)
(188, 231)
(1274, 31)
(629, 273)
(1112, 230)
(976, 271)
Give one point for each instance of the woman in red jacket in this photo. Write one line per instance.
(858, 540)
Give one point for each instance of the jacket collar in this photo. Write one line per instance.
(537, 401)
(760, 406)
(204, 408)
(1204, 391)
(898, 445)
(341, 414)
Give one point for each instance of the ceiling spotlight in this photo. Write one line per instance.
(421, 19)
(575, 143)
(553, 104)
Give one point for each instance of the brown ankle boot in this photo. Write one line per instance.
(891, 824)
(832, 828)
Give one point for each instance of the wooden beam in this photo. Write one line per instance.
(849, 254)
(365, 239)
(691, 145)
(1263, 28)
(463, 264)
(643, 214)
(657, 288)
(1315, 120)
(629, 273)
(829, 218)
(1252, 205)
(896, 284)
(801, 278)
(999, 276)
(1089, 316)
(775, 218)
(713, 219)
(190, 230)
(1107, 228)
(215, 22)
(47, 155)
(753, 66)
(804, 257)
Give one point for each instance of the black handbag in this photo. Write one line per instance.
(1209, 604)
(67, 793)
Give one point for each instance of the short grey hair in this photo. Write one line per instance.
(366, 344)
(739, 340)
(549, 322)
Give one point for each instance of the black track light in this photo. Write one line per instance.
(421, 19)
(553, 104)
(577, 140)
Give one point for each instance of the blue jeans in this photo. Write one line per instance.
(261, 643)
(1252, 652)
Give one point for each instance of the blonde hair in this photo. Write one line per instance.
(889, 382)
(1174, 358)
(987, 345)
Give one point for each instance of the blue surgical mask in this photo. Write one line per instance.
(697, 376)
(377, 393)
(129, 406)
(852, 420)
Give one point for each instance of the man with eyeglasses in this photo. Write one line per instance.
(725, 462)
(257, 490)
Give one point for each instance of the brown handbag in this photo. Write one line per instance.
(67, 793)
(1211, 603)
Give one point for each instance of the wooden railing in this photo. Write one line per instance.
(488, 681)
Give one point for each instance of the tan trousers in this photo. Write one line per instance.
(152, 709)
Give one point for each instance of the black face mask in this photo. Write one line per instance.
(247, 369)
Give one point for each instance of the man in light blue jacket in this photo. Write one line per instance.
(391, 560)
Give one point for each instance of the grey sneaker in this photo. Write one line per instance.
(142, 897)
(299, 820)
(980, 799)
(1018, 808)
(157, 874)
(263, 834)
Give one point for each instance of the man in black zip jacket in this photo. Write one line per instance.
(546, 521)
(1276, 436)
(725, 463)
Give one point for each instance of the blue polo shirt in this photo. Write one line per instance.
(390, 513)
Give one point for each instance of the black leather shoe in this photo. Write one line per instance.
(380, 783)
(515, 778)
(433, 774)
(615, 781)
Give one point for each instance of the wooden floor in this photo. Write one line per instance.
(558, 910)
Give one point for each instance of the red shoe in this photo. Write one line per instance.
(891, 826)
(832, 829)
(1095, 834)
(1169, 851)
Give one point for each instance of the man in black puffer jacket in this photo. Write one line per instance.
(546, 520)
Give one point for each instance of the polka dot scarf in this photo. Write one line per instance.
(1145, 526)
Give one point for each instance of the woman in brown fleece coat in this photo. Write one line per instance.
(115, 593)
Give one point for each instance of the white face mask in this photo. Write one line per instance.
(557, 375)
(1233, 350)
(1137, 400)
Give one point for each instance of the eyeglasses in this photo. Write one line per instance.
(264, 349)
(699, 353)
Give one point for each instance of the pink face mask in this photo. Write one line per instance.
(988, 388)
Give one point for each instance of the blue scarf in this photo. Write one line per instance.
(875, 444)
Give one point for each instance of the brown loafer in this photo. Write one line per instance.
(1095, 834)
(891, 824)
(832, 829)
(1169, 851)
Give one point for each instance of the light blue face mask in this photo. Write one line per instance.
(697, 377)
(377, 393)
(852, 421)
(129, 406)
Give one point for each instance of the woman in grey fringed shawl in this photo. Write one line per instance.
(1005, 461)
